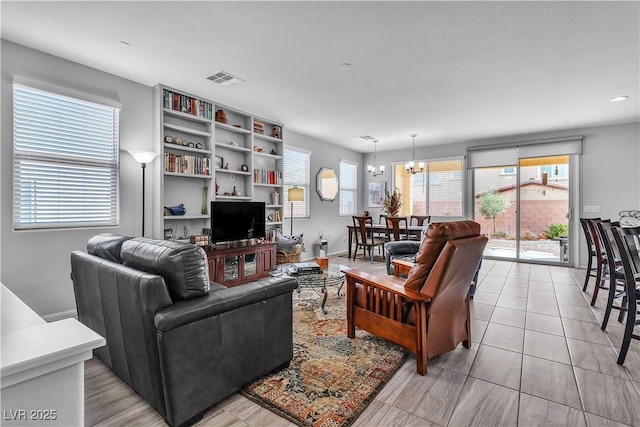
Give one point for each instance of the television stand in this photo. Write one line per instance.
(233, 265)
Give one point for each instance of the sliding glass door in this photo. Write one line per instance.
(525, 209)
(544, 209)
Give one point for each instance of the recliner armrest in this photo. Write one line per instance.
(392, 285)
(220, 301)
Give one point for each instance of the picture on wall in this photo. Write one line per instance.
(376, 194)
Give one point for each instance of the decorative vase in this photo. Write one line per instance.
(205, 190)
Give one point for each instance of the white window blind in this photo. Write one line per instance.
(445, 188)
(296, 174)
(348, 188)
(65, 161)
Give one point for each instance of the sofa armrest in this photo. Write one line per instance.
(221, 300)
(403, 247)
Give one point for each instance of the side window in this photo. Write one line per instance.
(66, 161)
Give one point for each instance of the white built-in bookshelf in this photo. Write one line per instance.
(213, 152)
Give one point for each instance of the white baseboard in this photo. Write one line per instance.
(67, 314)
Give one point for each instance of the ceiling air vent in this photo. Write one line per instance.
(366, 138)
(225, 79)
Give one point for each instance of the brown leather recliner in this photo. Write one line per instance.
(428, 313)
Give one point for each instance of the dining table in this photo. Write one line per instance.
(412, 230)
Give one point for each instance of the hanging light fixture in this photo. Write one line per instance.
(375, 169)
(411, 166)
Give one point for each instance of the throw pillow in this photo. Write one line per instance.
(288, 244)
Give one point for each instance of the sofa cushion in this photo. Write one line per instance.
(433, 240)
(183, 266)
(106, 246)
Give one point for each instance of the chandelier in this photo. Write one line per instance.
(411, 166)
(375, 169)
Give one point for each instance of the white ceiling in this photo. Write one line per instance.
(448, 71)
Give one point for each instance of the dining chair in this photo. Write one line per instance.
(602, 266)
(365, 237)
(396, 230)
(419, 219)
(591, 269)
(627, 242)
(617, 289)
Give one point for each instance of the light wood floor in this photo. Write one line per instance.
(538, 358)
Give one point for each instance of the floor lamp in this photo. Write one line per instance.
(295, 194)
(143, 157)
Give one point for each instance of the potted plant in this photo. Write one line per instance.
(392, 202)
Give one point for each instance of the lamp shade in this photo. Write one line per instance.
(143, 157)
(296, 194)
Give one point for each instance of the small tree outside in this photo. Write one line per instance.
(492, 204)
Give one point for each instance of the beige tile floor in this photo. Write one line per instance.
(538, 358)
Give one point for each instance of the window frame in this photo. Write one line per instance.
(427, 182)
(302, 183)
(342, 187)
(38, 159)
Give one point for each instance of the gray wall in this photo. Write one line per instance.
(35, 264)
(323, 215)
(609, 173)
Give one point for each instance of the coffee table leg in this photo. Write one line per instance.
(324, 299)
(340, 288)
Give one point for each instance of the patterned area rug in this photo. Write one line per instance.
(331, 378)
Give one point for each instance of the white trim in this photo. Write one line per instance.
(61, 315)
(65, 91)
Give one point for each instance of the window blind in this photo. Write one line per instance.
(65, 161)
(348, 188)
(445, 188)
(438, 191)
(509, 154)
(296, 174)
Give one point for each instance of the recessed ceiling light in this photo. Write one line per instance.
(224, 78)
(123, 43)
(345, 66)
(619, 98)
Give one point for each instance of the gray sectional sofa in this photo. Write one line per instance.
(181, 342)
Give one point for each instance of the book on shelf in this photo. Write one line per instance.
(302, 268)
(186, 104)
(263, 176)
(187, 164)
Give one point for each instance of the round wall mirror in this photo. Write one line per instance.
(327, 184)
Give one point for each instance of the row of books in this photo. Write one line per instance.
(183, 163)
(262, 176)
(185, 104)
(271, 236)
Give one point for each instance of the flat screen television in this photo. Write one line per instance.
(231, 221)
